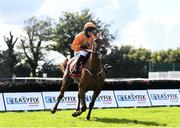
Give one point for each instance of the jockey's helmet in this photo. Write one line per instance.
(89, 25)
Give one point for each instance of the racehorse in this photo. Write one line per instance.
(92, 78)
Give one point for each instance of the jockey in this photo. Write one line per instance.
(84, 40)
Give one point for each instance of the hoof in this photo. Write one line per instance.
(87, 118)
(53, 111)
(75, 114)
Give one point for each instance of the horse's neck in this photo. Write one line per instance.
(94, 63)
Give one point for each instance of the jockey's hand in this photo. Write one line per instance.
(83, 47)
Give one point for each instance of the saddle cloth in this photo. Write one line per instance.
(71, 67)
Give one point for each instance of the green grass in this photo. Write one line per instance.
(116, 117)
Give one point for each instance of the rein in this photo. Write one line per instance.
(92, 75)
(90, 51)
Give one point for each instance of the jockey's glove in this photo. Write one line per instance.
(85, 44)
(83, 47)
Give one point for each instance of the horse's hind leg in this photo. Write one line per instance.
(65, 83)
(91, 104)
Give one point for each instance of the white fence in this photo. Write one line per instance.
(164, 75)
(106, 99)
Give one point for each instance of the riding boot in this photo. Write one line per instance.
(77, 65)
(107, 67)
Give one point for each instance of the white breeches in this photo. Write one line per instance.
(81, 52)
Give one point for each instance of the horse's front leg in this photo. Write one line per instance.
(53, 110)
(81, 99)
(91, 105)
(78, 107)
(65, 83)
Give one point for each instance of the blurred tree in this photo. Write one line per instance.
(52, 70)
(118, 59)
(4, 72)
(10, 55)
(38, 31)
(165, 60)
(160, 56)
(70, 24)
(128, 62)
(22, 70)
(173, 55)
(139, 60)
(166, 56)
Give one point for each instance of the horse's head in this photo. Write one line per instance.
(100, 43)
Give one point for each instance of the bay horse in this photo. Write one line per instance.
(92, 78)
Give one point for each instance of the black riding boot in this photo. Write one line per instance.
(107, 67)
(77, 65)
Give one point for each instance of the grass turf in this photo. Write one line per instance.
(114, 117)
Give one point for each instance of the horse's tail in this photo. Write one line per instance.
(63, 65)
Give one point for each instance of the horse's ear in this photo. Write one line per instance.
(95, 34)
(101, 35)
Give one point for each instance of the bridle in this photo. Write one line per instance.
(86, 69)
(92, 51)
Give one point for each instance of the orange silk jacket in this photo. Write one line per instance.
(81, 40)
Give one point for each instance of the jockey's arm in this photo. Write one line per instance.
(76, 44)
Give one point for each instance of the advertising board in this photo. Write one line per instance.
(2, 108)
(69, 101)
(132, 98)
(167, 97)
(23, 101)
(105, 99)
